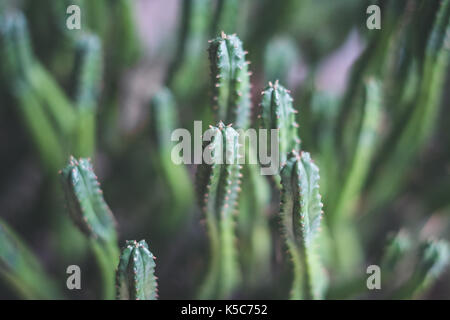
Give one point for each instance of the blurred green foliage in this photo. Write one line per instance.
(382, 147)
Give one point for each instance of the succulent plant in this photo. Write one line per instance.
(136, 273)
(301, 214)
(278, 112)
(163, 118)
(20, 268)
(218, 187)
(380, 142)
(88, 76)
(230, 80)
(188, 58)
(92, 216)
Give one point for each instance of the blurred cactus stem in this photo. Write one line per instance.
(125, 32)
(301, 213)
(21, 270)
(92, 216)
(218, 187)
(88, 76)
(280, 56)
(433, 260)
(226, 16)
(420, 123)
(136, 273)
(188, 61)
(45, 109)
(164, 121)
(342, 209)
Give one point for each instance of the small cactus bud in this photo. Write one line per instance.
(277, 112)
(136, 273)
(85, 200)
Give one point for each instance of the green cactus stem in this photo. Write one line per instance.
(92, 216)
(301, 213)
(433, 259)
(280, 56)
(46, 110)
(230, 80)
(218, 187)
(163, 118)
(278, 112)
(21, 270)
(125, 32)
(253, 228)
(417, 125)
(189, 59)
(136, 273)
(226, 16)
(342, 203)
(88, 76)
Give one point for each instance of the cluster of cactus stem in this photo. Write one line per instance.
(233, 196)
(90, 213)
(219, 184)
(61, 125)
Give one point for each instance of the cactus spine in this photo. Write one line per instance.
(136, 273)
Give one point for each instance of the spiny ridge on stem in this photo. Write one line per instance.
(135, 277)
(278, 112)
(85, 200)
(301, 213)
(218, 186)
(230, 80)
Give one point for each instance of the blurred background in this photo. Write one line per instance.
(385, 170)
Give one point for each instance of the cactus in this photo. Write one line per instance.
(125, 31)
(188, 60)
(92, 216)
(422, 114)
(230, 80)
(253, 228)
(136, 273)
(342, 203)
(218, 186)
(433, 259)
(18, 63)
(377, 170)
(88, 71)
(226, 16)
(301, 213)
(280, 56)
(163, 116)
(277, 112)
(45, 108)
(21, 269)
